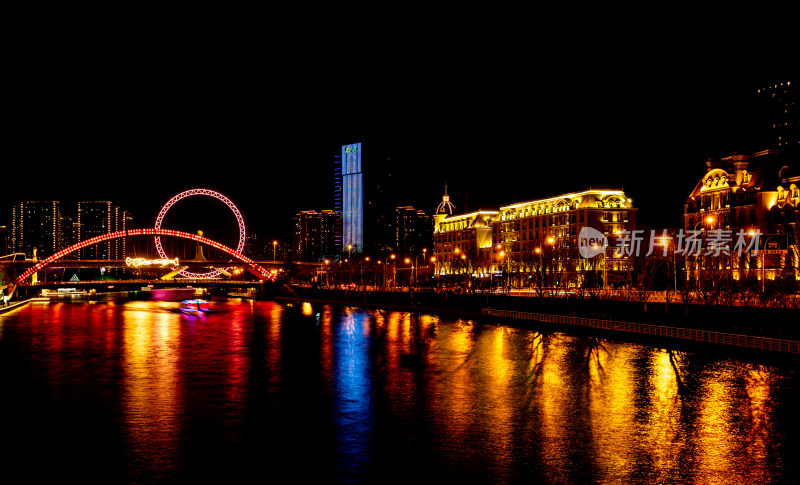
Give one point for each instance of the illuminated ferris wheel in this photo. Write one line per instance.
(209, 193)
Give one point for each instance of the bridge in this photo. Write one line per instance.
(263, 271)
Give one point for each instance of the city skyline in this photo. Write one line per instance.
(654, 153)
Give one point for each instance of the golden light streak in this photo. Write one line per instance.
(139, 262)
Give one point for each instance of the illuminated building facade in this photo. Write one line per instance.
(463, 242)
(552, 225)
(97, 218)
(413, 231)
(314, 236)
(748, 192)
(507, 241)
(37, 224)
(349, 197)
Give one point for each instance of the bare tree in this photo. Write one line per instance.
(542, 270)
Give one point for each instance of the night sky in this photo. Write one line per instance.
(499, 128)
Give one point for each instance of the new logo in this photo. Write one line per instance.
(591, 242)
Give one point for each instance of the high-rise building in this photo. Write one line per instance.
(314, 235)
(126, 219)
(423, 232)
(405, 230)
(349, 198)
(97, 218)
(5, 240)
(778, 114)
(69, 235)
(413, 231)
(36, 224)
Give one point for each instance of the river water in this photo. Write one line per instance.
(261, 392)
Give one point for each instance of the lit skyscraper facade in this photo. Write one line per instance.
(97, 218)
(349, 197)
(37, 224)
(414, 231)
(313, 235)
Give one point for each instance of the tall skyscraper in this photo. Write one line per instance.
(779, 115)
(5, 240)
(102, 217)
(36, 224)
(413, 230)
(314, 235)
(349, 198)
(405, 230)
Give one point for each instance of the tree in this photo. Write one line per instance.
(542, 269)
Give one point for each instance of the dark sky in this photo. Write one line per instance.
(261, 126)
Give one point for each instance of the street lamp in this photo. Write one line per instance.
(274, 246)
(416, 265)
(502, 258)
(386, 283)
(605, 273)
(709, 220)
(552, 242)
(668, 244)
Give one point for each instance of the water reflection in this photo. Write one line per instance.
(151, 385)
(373, 396)
(353, 391)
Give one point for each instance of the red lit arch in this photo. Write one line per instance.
(262, 273)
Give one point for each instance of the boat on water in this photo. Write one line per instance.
(194, 307)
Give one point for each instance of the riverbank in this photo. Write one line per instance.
(690, 322)
(19, 304)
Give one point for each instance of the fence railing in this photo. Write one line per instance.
(695, 335)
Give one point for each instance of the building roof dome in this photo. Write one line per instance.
(445, 207)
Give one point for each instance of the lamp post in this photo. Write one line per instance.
(552, 242)
(385, 282)
(349, 262)
(605, 274)
(500, 255)
(416, 268)
(274, 246)
(668, 244)
(364, 259)
(502, 258)
(707, 220)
